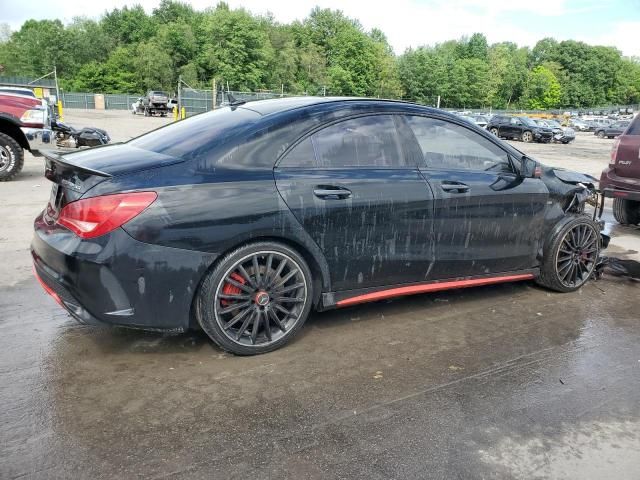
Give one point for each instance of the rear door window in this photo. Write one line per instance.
(370, 141)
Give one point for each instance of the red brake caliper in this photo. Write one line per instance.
(230, 289)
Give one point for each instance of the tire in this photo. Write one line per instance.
(600, 134)
(233, 282)
(626, 212)
(11, 158)
(570, 255)
(527, 136)
(494, 131)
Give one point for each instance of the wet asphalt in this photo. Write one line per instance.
(506, 381)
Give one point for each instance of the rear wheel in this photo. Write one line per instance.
(626, 212)
(11, 157)
(257, 298)
(600, 134)
(527, 137)
(494, 131)
(570, 255)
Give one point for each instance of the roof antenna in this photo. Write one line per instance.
(233, 101)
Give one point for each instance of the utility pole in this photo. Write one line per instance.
(55, 76)
(324, 90)
(215, 94)
(180, 93)
(438, 104)
(282, 90)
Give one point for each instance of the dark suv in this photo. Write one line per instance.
(621, 180)
(611, 131)
(519, 128)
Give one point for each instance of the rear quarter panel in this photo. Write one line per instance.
(226, 209)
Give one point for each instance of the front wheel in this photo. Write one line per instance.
(11, 157)
(527, 137)
(600, 135)
(626, 212)
(256, 299)
(570, 255)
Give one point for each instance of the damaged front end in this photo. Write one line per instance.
(572, 192)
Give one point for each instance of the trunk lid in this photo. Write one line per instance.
(75, 173)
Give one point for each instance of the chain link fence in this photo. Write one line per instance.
(198, 101)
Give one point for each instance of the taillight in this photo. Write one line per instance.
(92, 217)
(614, 152)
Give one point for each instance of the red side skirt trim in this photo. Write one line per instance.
(431, 287)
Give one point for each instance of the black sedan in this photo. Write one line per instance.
(241, 220)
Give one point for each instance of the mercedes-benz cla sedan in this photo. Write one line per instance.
(242, 220)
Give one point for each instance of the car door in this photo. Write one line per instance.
(369, 211)
(504, 127)
(488, 219)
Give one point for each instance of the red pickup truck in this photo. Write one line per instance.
(25, 124)
(621, 180)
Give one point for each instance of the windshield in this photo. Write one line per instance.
(197, 135)
(527, 121)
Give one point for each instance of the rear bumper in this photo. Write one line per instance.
(38, 138)
(613, 186)
(117, 280)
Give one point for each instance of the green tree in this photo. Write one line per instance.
(543, 89)
(128, 25)
(236, 48)
(37, 47)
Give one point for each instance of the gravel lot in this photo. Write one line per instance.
(508, 381)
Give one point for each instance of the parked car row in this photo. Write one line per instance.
(522, 128)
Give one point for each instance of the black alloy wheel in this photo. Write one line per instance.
(258, 300)
(570, 254)
(577, 255)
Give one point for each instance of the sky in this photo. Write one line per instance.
(411, 23)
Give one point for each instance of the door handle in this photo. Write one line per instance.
(330, 192)
(454, 187)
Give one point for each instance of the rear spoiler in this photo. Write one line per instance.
(56, 160)
(70, 175)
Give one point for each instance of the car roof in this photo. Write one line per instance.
(279, 105)
(18, 90)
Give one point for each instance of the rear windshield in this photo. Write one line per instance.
(195, 136)
(528, 121)
(634, 129)
(159, 93)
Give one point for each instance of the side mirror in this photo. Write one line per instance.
(529, 168)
